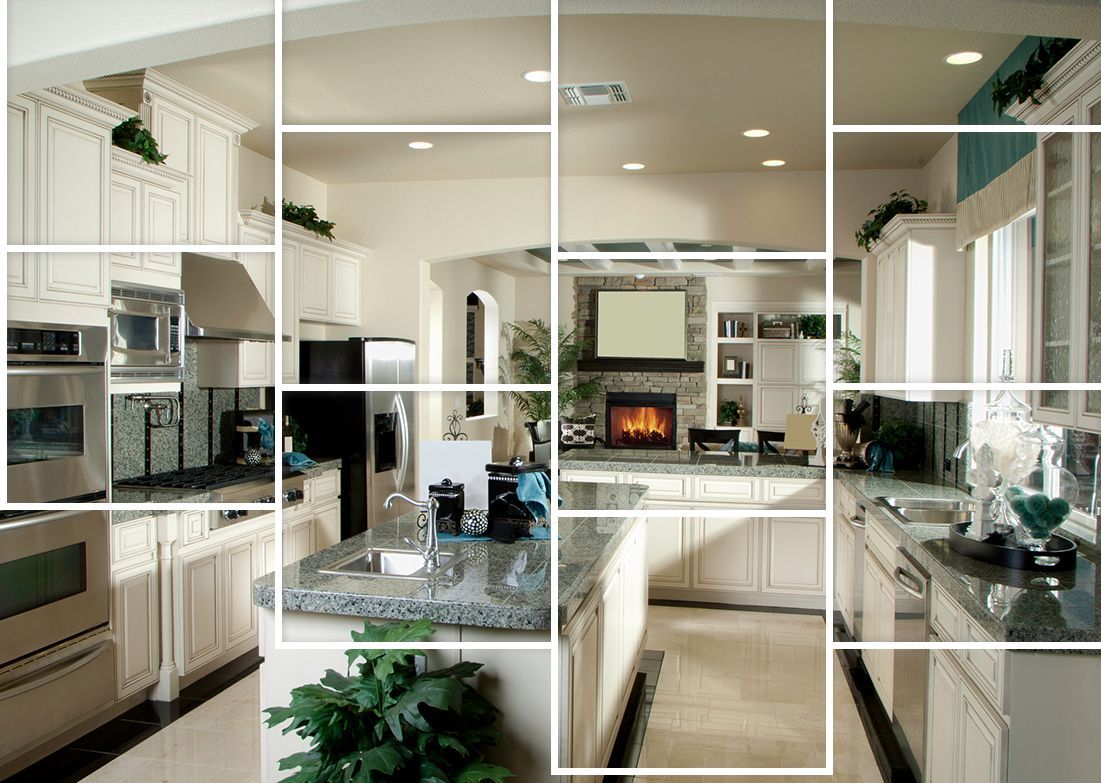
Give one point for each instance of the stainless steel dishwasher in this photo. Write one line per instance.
(910, 666)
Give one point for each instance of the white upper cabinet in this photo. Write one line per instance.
(788, 370)
(330, 276)
(1067, 270)
(202, 139)
(920, 302)
(148, 204)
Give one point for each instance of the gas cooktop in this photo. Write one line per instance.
(226, 483)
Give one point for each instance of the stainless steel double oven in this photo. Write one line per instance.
(57, 413)
(57, 653)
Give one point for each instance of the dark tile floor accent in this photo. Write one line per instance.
(632, 732)
(85, 755)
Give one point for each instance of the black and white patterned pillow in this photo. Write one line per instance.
(578, 432)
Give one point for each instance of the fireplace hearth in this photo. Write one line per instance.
(641, 421)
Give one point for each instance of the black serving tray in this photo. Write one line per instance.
(1060, 555)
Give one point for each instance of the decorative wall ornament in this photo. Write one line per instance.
(455, 427)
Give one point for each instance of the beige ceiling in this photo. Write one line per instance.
(696, 83)
(339, 158)
(240, 79)
(693, 267)
(886, 150)
(517, 263)
(897, 75)
(462, 72)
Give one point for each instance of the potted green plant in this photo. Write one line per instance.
(531, 362)
(305, 215)
(901, 202)
(386, 722)
(846, 358)
(1025, 82)
(130, 135)
(813, 326)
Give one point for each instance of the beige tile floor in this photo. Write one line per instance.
(218, 742)
(747, 689)
(738, 689)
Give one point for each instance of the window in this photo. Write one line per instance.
(1002, 262)
(1081, 455)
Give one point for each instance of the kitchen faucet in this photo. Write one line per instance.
(431, 550)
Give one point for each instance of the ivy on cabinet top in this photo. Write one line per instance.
(131, 136)
(307, 217)
(1024, 83)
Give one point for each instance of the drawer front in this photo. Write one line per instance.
(135, 541)
(675, 487)
(324, 487)
(194, 527)
(986, 667)
(737, 489)
(879, 541)
(945, 615)
(588, 477)
(798, 490)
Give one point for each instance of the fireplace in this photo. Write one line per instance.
(641, 421)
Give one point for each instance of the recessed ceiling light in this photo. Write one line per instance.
(639, 276)
(755, 133)
(773, 163)
(963, 58)
(539, 76)
(634, 166)
(421, 145)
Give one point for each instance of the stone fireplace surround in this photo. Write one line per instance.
(690, 388)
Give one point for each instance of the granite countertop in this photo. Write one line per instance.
(684, 462)
(1010, 604)
(160, 497)
(587, 545)
(496, 586)
(585, 495)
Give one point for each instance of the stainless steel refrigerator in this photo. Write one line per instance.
(372, 432)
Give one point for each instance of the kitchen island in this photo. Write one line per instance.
(700, 479)
(497, 593)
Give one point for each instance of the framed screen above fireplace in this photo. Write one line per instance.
(641, 324)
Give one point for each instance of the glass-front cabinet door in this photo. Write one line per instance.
(1055, 274)
(1092, 248)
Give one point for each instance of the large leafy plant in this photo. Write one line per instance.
(846, 358)
(1024, 83)
(531, 363)
(386, 722)
(131, 136)
(901, 202)
(305, 215)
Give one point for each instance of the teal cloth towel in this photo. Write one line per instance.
(296, 459)
(267, 435)
(533, 490)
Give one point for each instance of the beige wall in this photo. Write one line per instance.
(779, 210)
(301, 189)
(256, 182)
(940, 178)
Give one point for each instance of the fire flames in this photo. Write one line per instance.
(642, 426)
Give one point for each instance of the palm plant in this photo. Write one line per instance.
(531, 360)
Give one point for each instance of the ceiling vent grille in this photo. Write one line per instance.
(594, 94)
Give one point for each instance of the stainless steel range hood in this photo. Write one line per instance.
(222, 301)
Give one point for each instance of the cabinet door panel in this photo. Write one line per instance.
(213, 183)
(667, 550)
(725, 554)
(793, 561)
(611, 656)
(173, 128)
(982, 741)
(74, 175)
(202, 627)
(346, 289)
(585, 695)
(163, 216)
(779, 362)
(125, 218)
(22, 276)
(21, 171)
(812, 362)
(942, 722)
(326, 526)
(313, 283)
(775, 404)
(290, 312)
(240, 614)
(136, 630)
(74, 278)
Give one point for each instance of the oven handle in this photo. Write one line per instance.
(38, 519)
(909, 583)
(52, 369)
(53, 672)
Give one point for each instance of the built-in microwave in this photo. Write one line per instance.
(146, 334)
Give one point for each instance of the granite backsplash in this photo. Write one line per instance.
(944, 426)
(204, 435)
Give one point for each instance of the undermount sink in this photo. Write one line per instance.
(929, 511)
(396, 563)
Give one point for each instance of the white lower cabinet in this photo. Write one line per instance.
(240, 568)
(844, 569)
(966, 740)
(879, 618)
(600, 649)
(793, 560)
(326, 523)
(667, 550)
(137, 629)
(200, 592)
(725, 554)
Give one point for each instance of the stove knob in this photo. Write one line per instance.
(265, 499)
(231, 514)
(292, 495)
